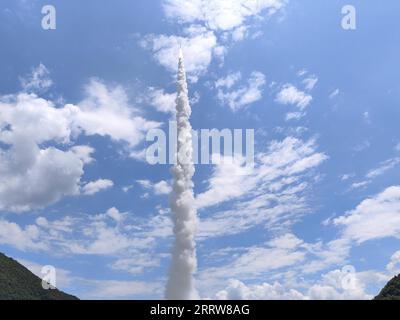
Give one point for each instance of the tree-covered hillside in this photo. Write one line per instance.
(391, 291)
(18, 283)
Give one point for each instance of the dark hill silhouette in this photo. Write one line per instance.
(18, 283)
(391, 291)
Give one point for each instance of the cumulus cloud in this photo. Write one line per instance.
(50, 175)
(106, 111)
(242, 96)
(162, 101)
(32, 177)
(115, 214)
(237, 290)
(39, 164)
(159, 188)
(288, 266)
(20, 238)
(84, 153)
(394, 264)
(239, 33)
(374, 218)
(93, 187)
(198, 47)
(339, 285)
(333, 285)
(208, 28)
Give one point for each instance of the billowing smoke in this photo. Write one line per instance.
(180, 284)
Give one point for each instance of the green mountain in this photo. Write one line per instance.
(391, 291)
(18, 283)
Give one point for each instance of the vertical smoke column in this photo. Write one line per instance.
(180, 284)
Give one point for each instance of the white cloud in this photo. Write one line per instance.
(237, 290)
(33, 177)
(40, 164)
(362, 146)
(383, 168)
(288, 267)
(310, 82)
(102, 239)
(302, 72)
(20, 114)
(159, 188)
(346, 176)
(38, 81)
(244, 95)
(202, 22)
(336, 285)
(96, 289)
(287, 241)
(325, 255)
(136, 265)
(265, 195)
(229, 81)
(20, 238)
(106, 112)
(97, 186)
(374, 218)
(254, 262)
(100, 234)
(162, 101)
(219, 14)
(334, 94)
(230, 179)
(118, 289)
(333, 285)
(239, 33)
(126, 188)
(289, 94)
(162, 187)
(115, 214)
(294, 115)
(84, 153)
(198, 48)
(394, 264)
(361, 184)
(367, 117)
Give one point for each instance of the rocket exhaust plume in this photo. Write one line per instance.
(180, 285)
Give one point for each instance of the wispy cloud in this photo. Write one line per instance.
(243, 95)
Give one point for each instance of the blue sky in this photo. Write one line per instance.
(76, 103)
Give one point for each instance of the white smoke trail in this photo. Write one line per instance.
(180, 285)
